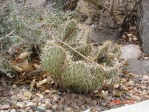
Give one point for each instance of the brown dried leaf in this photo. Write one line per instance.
(118, 93)
(23, 55)
(18, 69)
(44, 81)
(32, 85)
(36, 65)
(102, 94)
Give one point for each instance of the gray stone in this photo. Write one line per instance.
(103, 34)
(143, 18)
(41, 109)
(130, 51)
(138, 66)
(13, 110)
(29, 104)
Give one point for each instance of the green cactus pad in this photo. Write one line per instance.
(53, 60)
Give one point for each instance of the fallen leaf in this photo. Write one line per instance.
(18, 69)
(44, 81)
(32, 85)
(118, 93)
(23, 55)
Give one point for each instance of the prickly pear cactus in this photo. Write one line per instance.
(68, 68)
(81, 78)
(53, 59)
(76, 36)
(108, 54)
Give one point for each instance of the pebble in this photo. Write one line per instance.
(47, 91)
(54, 107)
(13, 110)
(21, 104)
(40, 96)
(4, 107)
(14, 86)
(67, 109)
(41, 109)
(48, 105)
(83, 107)
(73, 96)
(56, 98)
(94, 103)
(74, 105)
(80, 102)
(137, 98)
(29, 104)
(88, 100)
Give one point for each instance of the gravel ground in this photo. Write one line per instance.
(129, 89)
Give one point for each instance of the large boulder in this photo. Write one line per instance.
(138, 66)
(143, 18)
(99, 36)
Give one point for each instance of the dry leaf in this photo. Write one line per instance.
(44, 81)
(102, 94)
(32, 85)
(36, 65)
(23, 55)
(18, 69)
(25, 66)
(117, 93)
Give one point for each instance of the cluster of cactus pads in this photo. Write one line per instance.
(73, 71)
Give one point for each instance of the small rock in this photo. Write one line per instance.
(61, 99)
(21, 104)
(80, 102)
(73, 96)
(88, 21)
(56, 98)
(41, 108)
(104, 104)
(83, 107)
(146, 77)
(22, 110)
(40, 96)
(13, 110)
(54, 107)
(94, 103)
(11, 92)
(67, 109)
(88, 100)
(74, 105)
(4, 107)
(130, 51)
(131, 83)
(81, 97)
(137, 98)
(27, 108)
(48, 105)
(47, 91)
(29, 104)
(14, 86)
